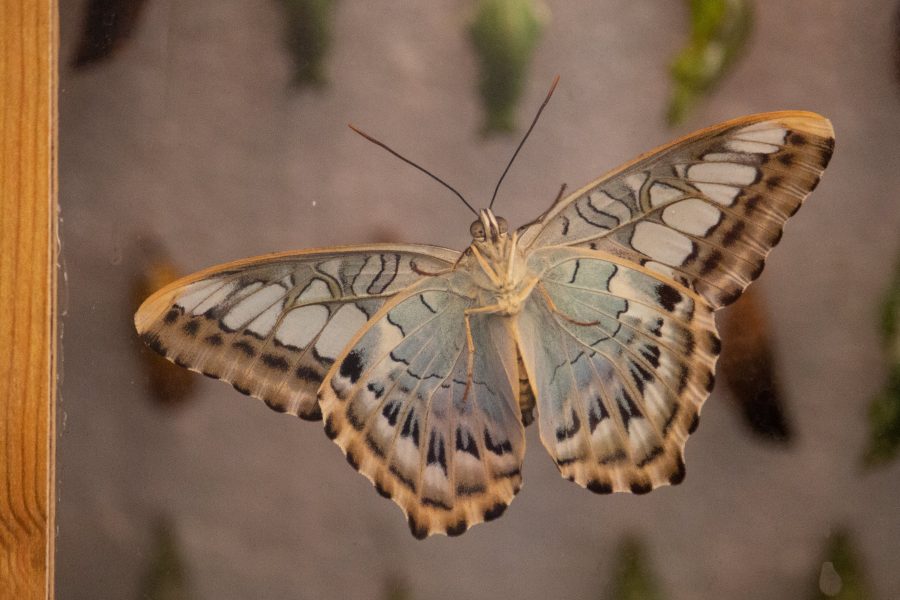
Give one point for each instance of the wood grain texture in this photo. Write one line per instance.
(28, 253)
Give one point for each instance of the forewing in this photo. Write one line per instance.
(704, 210)
(433, 426)
(273, 325)
(621, 361)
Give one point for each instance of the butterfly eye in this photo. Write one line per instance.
(502, 225)
(477, 230)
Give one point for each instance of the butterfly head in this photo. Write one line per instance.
(488, 227)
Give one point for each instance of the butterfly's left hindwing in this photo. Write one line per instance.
(435, 426)
(273, 325)
(621, 360)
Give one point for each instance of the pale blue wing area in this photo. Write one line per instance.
(704, 210)
(621, 361)
(273, 325)
(433, 426)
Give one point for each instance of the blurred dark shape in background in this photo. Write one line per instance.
(632, 578)
(308, 35)
(396, 588)
(166, 575)
(505, 34)
(719, 32)
(884, 412)
(108, 25)
(841, 576)
(897, 43)
(167, 384)
(748, 366)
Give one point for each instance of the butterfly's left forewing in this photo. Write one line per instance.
(273, 325)
(433, 422)
(704, 210)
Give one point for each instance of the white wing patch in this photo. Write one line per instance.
(343, 325)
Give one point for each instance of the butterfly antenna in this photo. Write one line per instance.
(409, 162)
(522, 143)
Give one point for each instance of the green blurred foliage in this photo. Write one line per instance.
(884, 412)
(632, 578)
(719, 31)
(308, 36)
(166, 576)
(505, 34)
(841, 575)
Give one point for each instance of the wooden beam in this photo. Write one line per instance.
(28, 254)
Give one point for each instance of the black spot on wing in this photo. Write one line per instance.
(402, 478)
(711, 261)
(305, 373)
(191, 327)
(680, 471)
(654, 453)
(469, 490)
(671, 418)
(275, 362)
(733, 234)
(596, 413)
(433, 502)
(351, 366)
(411, 427)
(171, 316)
(494, 512)
(466, 443)
(640, 487)
(627, 408)
(599, 487)
(458, 528)
(569, 430)
(391, 412)
(640, 375)
(436, 452)
(500, 448)
(153, 342)
(245, 347)
(651, 355)
(668, 296)
(419, 532)
(330, 429)
(695, 422)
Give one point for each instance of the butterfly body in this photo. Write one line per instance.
(596, 320)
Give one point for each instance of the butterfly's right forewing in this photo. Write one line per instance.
(272, 326)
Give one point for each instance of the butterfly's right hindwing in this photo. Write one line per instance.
(272, 326)
(435, 427)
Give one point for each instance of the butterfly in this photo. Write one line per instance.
(596, 319)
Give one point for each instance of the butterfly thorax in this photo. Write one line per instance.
(497, 265)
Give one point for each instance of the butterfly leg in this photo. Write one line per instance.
(470, 342)
(556, 311)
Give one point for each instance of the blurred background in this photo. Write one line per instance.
(196, 133)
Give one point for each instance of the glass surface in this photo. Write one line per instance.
(189, 146)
